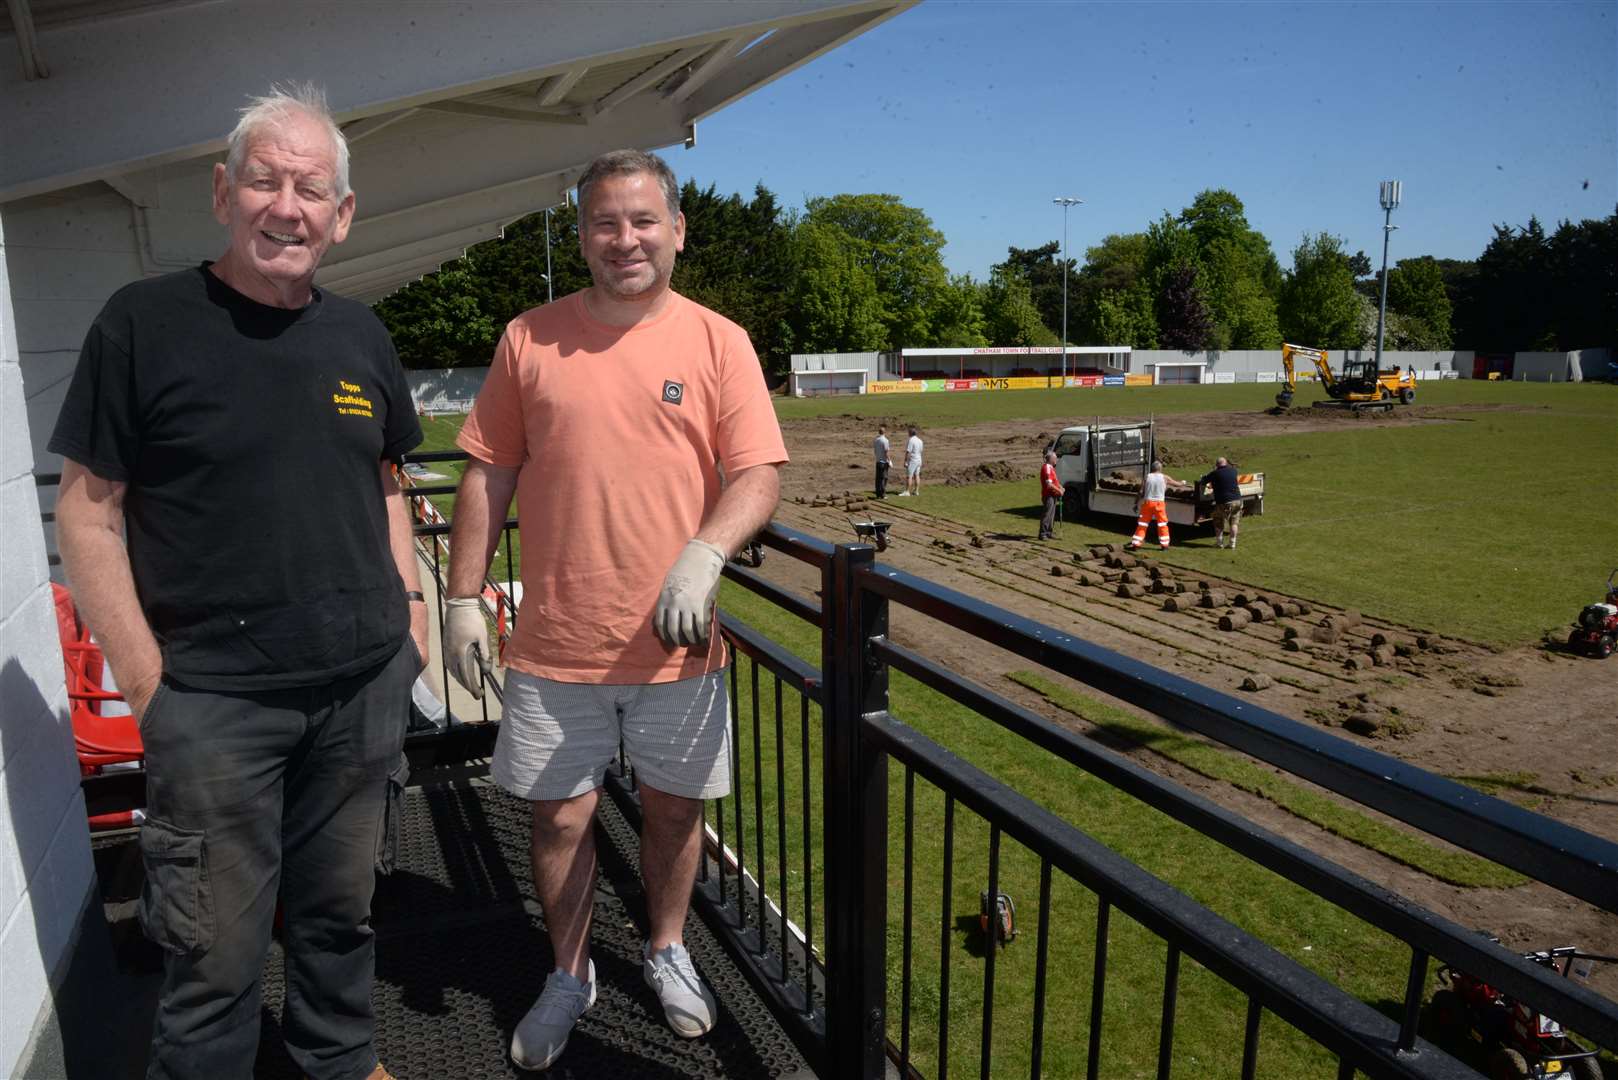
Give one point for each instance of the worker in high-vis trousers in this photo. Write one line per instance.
(1149, 507)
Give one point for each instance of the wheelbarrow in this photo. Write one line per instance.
(874, 531)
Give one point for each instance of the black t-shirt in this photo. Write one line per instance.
(250, 440)
(1225, 486)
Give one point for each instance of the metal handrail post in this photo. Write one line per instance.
(855, 802)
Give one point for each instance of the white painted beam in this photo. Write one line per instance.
(156, 85)
(651, 77)
(344, 262)
(784, 52)
(711, 66)
(356, 130)
(556, 87)
(22, 27)
(501, 112)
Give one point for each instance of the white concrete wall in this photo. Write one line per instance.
(1249, 361)
(1540, 367)
(46, 875)
(856, 361)
(1589, 363)
(446, 389)
(68, 252)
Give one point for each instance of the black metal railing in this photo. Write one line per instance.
(848, 1032)
(817, 947)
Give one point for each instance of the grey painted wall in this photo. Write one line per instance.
(46, 875)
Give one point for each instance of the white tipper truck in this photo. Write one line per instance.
(1101, 467)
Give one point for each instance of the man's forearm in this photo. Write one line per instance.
(480, 513)
(744, 507)
(401, 534)
(89, 535)
(402, 545)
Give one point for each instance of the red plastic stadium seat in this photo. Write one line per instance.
(99, 739)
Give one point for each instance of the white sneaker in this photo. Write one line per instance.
(1219, 542)
(541, 1036)
(687, 1003)
(903, 495)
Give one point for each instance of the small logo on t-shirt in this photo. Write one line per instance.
(673, 392)
(351, 400)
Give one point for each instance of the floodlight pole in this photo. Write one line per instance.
(1389, 198)
(549, 291)
(1066, 201)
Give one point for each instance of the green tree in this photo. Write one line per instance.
(1112, 300)
(1584, 283)
(454, 316)
(1416, 292)
(738, 261)
(1318, 302)
(1237, 272)
(898, 246)
(1122, 317)
(958, 320)
(1512, 297)
(833, 304)
(1042, 268)
(1010, 316)
(440, 323)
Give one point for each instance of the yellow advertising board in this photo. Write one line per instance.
(1139, 380)
(896, 386)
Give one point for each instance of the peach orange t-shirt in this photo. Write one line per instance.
(618, 434)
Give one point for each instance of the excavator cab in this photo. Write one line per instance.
(1358, 377)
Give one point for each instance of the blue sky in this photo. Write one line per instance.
(980, 112)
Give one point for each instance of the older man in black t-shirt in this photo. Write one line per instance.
(264, 618)
(1227, 496)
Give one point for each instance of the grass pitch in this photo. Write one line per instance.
(1494, 526)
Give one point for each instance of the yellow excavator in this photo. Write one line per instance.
(1360, 386)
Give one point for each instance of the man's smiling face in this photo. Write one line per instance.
(282, 210)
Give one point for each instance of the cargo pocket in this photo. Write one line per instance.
(387, 833)
(176, 905)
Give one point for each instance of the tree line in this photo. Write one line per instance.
(860, 273)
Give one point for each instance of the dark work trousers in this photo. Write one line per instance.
(250, 797)
(882, 479)
(1047, 521)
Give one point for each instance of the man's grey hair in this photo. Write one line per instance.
(1221, 462)
(282, 103)
(630, 163)
(1157, 466)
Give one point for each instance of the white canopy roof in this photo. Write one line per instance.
(461, 117)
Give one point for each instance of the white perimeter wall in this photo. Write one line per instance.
(1249, 362)
(446, 389)
(46, 876)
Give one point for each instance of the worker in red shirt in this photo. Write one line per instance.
(1050, 490)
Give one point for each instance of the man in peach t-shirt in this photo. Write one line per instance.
(614, 637)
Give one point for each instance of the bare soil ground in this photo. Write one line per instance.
(1454, 708)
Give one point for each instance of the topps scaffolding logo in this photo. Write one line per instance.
(673, 392)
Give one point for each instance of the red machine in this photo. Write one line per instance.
(1595, 631)
(1524, 1043)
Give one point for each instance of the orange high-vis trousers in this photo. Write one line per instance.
(1152, 510)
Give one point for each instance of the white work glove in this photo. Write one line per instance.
(684, 612)
(464, 632)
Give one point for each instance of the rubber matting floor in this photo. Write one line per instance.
(462, 954)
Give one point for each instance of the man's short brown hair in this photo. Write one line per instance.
(630, 163)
